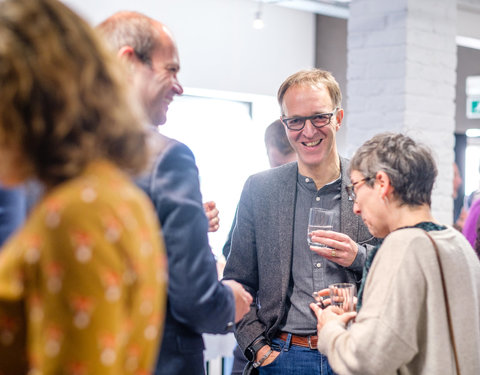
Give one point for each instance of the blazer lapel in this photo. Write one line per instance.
(348, 220)
(286, 214)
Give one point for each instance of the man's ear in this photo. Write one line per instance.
(384, 184)
(127, 54)
(129, 58)
(339, 118)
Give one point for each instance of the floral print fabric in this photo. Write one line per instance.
(83, 283)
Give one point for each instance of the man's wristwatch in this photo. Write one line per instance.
(251, 351)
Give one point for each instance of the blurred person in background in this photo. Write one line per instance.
(279, 150)
(473, 196)
(457, 183)
(457, 180)
(470, 225)
(197, 301)
(472, 215)
(401, 322)
(476, 245)
(83, 282)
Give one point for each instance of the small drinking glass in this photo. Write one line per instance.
(342, 295)
(319, 218)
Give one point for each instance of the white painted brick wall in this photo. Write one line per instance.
(378, 6)
(470, 2)
(401, 78)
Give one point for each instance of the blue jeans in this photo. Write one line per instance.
(296, 360)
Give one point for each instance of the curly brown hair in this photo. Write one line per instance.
(63, 102)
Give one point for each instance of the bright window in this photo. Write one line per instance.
(225, 132)
(472, 163)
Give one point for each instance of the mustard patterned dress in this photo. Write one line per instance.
(83, 283)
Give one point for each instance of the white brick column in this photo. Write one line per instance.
(401, 78)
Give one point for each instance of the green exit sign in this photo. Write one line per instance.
(473, 107)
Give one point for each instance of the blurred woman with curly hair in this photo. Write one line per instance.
(82, 283)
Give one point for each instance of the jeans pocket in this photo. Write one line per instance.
(275, 361)
(277, 345)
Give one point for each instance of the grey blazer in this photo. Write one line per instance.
(262, 243)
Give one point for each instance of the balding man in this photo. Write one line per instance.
(197, 302)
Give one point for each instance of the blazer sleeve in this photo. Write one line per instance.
(12, 211)
(242, 266)
(196, 298)
(228, 243)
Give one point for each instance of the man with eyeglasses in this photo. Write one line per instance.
(270, 255)
(197, 302)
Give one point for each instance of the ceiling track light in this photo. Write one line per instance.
(258, 23)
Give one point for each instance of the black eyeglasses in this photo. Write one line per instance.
(351, 188)
(318, 120)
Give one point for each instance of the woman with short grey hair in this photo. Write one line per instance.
(406, 322)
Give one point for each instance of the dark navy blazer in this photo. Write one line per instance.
(197, 302)
(12, 211)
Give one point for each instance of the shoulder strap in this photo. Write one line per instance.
(449, 317)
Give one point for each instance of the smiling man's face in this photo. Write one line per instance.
(156, 82)
(314, 147)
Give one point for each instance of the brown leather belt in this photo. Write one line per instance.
(306, 341)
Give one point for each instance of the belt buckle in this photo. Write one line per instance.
(310, 343)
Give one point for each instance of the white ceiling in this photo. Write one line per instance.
(468, 15)
(333, 8)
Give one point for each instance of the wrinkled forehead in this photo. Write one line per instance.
(166, 50)
(314, 95)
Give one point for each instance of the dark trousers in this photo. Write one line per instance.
(239, 361)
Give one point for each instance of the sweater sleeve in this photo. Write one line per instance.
(383, 338)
